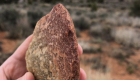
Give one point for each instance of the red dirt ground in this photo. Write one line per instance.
(116, 71)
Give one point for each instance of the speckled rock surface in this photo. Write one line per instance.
(53, 52)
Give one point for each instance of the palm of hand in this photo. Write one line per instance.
(15, 66)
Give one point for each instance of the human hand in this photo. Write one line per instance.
(15, 66)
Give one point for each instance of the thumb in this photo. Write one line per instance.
(27, 76)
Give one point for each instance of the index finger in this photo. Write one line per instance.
(80, 49)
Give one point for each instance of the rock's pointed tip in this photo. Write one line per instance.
(59, 9)
(58, 6)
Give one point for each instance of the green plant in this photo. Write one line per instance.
(118, 54)
(100, 1)
(81, 23)
(98, 41)
(103, 15)
(98, 65)
(93, 6)
(33, 17)
(107, 33)
(135, 8)
(2, 27)
(69, 10)
(91, 1)
(99, 49)
(30, 1)
(78, 13)
(96, 30)
(15, 33)
(9, 15)
(92, 50)
(77, 32)
(121, 0)
(8, 19)
(19, 31)
(51, 1)
(26, 31)
(131, 68)
(8, 1)
(91, 15)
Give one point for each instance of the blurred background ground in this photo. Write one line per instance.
(107, 30)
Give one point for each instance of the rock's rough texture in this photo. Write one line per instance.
(53, 52)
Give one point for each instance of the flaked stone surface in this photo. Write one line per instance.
(53, 52)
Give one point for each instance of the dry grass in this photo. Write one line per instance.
(127, 36)
(98, 76)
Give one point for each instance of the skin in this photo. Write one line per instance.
(14, 68)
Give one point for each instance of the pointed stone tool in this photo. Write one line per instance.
(53, 51)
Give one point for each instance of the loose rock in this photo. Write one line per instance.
(53, 52)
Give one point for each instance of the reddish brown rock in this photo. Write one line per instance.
(53, 52)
